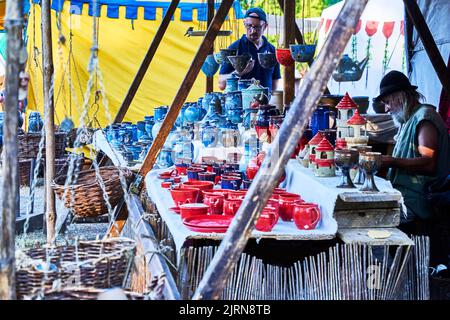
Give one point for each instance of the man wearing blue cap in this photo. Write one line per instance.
(253, 42)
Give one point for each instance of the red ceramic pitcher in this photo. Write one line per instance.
(306, 215)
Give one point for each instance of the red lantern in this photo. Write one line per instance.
(388, 28)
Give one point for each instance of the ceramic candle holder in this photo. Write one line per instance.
(369, 163)
(345, 159)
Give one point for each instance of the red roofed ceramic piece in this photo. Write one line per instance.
(316, 139)
(357, 119)
(324, 145)
(346, 103)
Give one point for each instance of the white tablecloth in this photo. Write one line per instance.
(322, 190)
(100, 143)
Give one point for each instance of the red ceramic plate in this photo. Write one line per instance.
(208, 223)
(175, 209)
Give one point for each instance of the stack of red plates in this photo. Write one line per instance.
(208, 223)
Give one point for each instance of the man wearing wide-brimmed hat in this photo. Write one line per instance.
(421, 154)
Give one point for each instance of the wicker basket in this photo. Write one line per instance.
(62, 164)
(24, 171)
(86, 193)
(98, 264)
(29, 145)
(80, 293)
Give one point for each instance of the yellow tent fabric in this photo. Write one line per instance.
(122, 46)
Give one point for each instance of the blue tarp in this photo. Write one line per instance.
(150, 7)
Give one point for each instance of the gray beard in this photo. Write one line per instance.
(399, 118)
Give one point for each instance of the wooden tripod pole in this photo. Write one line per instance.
(233, 244)
(432, 50)
(146, 62)
(49, 109)
(10, 197)
(210, 80)
(186, 86)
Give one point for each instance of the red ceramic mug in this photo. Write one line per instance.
(184, 195)
(267, 220)
(306, 215)
(214, 201)
(231, 206)
(200, 185)
(287, 201)
(193, 209)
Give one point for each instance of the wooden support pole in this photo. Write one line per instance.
(49, 110)
(289, 36)
(272, 168)
(408, 29)
(421, 26)
(10, 197)
(146, 62)
(186, 86)
(210, 80)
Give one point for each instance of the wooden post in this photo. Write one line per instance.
(186, 86)
(210, 80)
(408, 29)
(289, 34)
(10, 197)
(420, 24)
(49, 110)
(146, 62)
(272, 168)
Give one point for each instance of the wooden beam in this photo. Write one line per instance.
(49, 110)
(289, 36)
(272, 168)
(210, 80)
(186, 86)
(146, 62)
(421, 26)
(10, 198)
(408, 29)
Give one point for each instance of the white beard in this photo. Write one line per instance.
(398, 117)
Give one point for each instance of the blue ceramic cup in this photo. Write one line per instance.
(231, 183)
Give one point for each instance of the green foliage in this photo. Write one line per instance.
(313, 8)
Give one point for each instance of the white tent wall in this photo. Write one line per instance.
(437, 16)
(380, 11)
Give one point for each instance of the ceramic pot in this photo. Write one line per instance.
(306, 215)
(231, 206)
(210, 66)
(287, 201)
(240, 62)
(232, 83)
(267, 60)
(184, 195)
(303, 52)
(267, 220)
(214, 201)
(35, 123)
(284, 57)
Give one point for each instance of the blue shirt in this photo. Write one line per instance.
(265, 76)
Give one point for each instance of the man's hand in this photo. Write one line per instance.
(248, 68)
(387, 161)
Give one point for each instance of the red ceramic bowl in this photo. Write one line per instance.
(191, 209)
(284, 57)
(200, 185)
(184, 195)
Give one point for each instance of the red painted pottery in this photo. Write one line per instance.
(284, 57)
(231, 206)
(287, 201)
(214, 201)
(193, 209)
(267, 220)
(306, 216)
(208, 223)
(184, 195)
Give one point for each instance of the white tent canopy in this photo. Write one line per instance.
(381, 20)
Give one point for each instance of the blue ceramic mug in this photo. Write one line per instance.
(231, 183)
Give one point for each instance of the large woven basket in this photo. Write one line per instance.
(24, 171)
(80, 293)
(98, 264)
(29, 145)
(85, 196)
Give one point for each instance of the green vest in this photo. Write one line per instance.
(413, 186)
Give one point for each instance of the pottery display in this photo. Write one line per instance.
(229, 135)
(232, 83)
(345, 159)
(249, 94)
(244, 84)
(193, 209)
(209, 135)
(267, 60)
(359, 174)
(221, 57)
(369, 163)
(303, 52)
(182, 196)
(324, 159)
(267, 220)
(284, 57)
(287, 201)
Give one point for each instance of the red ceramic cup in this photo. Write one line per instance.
(166, 184)
(306, 215)
(193, 209)
(274, 203)
(231, 206)
(214, 201)
(287, 201)
(184, 195)
(237, 194)
(251, 172)
(267, 220)
(200, 185)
